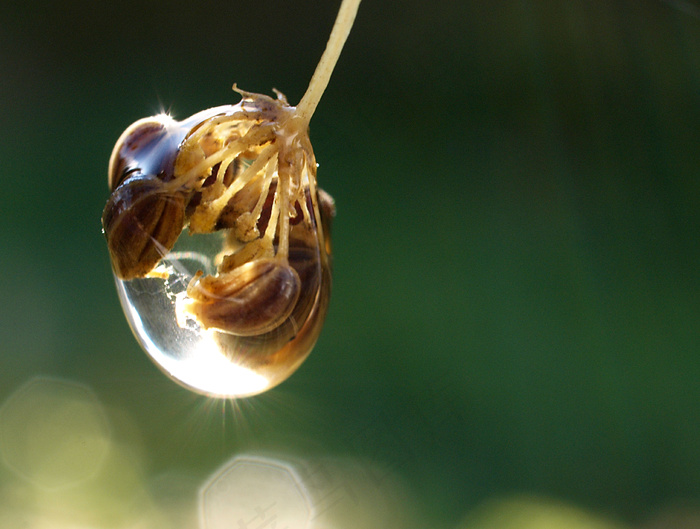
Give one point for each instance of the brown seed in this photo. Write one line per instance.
(141, 221)
(283, 349)
(251, 299)
(148, 146)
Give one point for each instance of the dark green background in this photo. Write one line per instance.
(516, 302)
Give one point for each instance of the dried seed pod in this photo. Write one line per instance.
(148, 146)
(142, 220)
(253, 298)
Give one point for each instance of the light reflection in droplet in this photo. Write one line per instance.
(202, 366)
(200, 360)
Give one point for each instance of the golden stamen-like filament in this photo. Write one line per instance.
(236, 164)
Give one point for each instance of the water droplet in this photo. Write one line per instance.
(233, 307)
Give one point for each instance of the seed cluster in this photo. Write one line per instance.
(247, 170)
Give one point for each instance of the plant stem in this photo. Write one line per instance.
(336, 41)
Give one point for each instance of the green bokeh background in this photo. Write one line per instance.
(516, 304)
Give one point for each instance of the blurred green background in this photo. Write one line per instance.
(516, 304)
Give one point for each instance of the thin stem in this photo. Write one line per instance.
(245, 177)
(319, 81)
(274, 217)
(267, 180)
(283, 190)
